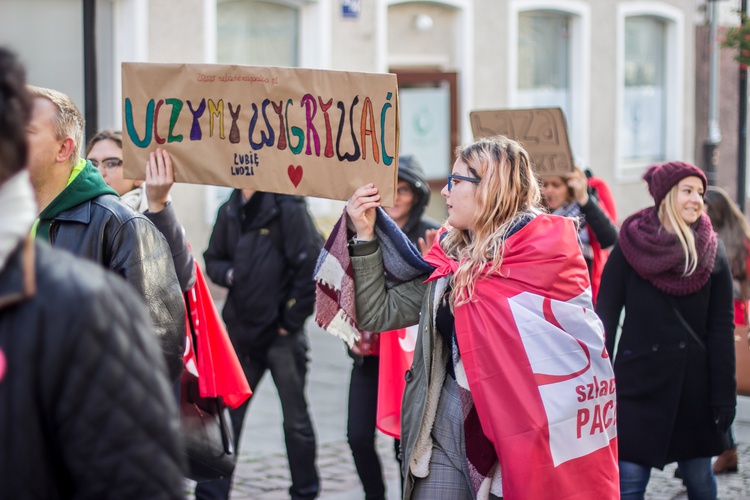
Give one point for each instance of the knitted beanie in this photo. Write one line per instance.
(661, 178)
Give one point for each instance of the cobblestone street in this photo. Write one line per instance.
(262, 471)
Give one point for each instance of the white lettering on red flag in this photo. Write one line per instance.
(563, 342)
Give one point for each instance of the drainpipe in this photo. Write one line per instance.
(742, 128)
(710, 147)
(91, 104)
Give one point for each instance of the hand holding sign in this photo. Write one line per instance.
(159, 180)
(361, 211)
(578, 183)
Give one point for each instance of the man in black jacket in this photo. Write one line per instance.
(83, 215)
(263, 248)
(86, 410)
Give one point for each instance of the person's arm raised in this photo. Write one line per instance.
(159, 179)
(159, 182)
(361, 211)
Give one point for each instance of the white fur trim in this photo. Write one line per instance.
(461, 379)
(422, 453)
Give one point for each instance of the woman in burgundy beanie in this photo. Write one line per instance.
(674, 362)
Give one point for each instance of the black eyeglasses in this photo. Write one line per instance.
(108, 163)
(452, 177)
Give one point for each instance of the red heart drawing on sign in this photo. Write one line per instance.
(295, 174)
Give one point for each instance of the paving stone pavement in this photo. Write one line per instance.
(262, 470)
(263, 474)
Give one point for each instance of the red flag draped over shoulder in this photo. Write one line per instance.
(534, 356)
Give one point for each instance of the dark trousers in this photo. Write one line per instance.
(360, 428)
(286, 359)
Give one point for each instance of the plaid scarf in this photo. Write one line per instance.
(335, 306)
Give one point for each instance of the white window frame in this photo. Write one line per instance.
(674, 75)
(314, 51)
(580, 63)
(465, 51)
(130, 43)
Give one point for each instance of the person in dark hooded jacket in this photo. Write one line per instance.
(263, 248)
(412, 197)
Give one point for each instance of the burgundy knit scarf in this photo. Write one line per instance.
(656, 255)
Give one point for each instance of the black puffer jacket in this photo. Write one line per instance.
(110, 233)
(86, 409)
(271, 244)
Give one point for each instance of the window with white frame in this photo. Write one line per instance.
(257, 33)
(63, 68)
(544, 60)
(643, 114)
(550, 61)
(253, 33)
(650, 82)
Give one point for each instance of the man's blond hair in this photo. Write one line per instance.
(68, 120)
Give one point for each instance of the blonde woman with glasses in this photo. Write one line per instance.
(480, 410)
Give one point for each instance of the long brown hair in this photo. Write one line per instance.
(105, 135)
(732, 228)
(508, 188)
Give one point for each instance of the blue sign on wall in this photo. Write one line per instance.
(350, 8)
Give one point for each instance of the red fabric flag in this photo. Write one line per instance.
(608, 206)
(218, 368)
(533, 351)
(396, 356)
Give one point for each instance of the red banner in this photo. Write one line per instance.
(396, 356)
(533, 351)
(218, 369)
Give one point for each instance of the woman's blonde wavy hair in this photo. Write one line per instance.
(508, 188)
(668, 215)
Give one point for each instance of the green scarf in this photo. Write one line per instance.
(85, 183)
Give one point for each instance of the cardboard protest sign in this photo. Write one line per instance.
(541, 131)
(283, 130)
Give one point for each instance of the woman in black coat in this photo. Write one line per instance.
(674, 359)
